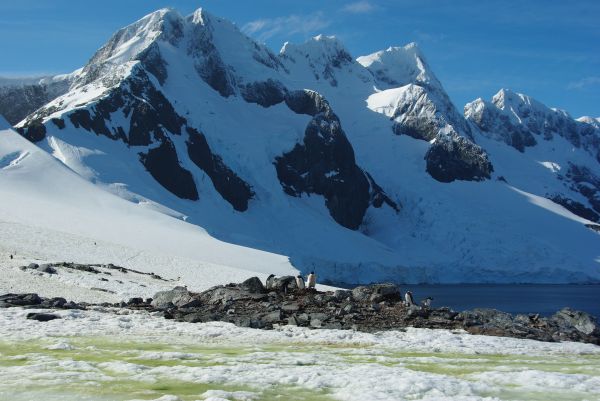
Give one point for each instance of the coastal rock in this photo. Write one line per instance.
(178, 296)
(568, 319)
(253, 285)
(377, 292)
(42, 317)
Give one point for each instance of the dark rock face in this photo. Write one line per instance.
(307, 102)
(35, 131)
(456, 158)
(149, 112)
(494, 123)
(418, 128)
(265, 93)
(581, 179)
(575, 207)
(151, 119)
(154, 63)
(59, 122)
(231, 187)
(17, 102)
(209, 66)
(324, 164)
(163, 164)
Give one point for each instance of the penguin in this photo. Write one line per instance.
(11, 256)
(427, 302)
(312, 280)
(269, 283)
(300, 282)
(408, 298)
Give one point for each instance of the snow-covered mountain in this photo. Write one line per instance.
(21, 96)
(549, 139)
(361, 169)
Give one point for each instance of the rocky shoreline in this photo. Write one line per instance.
(371, 308)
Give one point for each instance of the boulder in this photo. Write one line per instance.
(568, 319)
(253, 285)
(178, 296)
(377, 293)
(42, 317)
(283, 284)
(21, 299)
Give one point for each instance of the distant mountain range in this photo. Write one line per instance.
(360, 168)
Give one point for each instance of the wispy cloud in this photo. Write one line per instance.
(431, 37)
(264, 29)
(584, 83)
(359, 7)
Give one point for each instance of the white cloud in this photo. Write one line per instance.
(264, 29)
(584, 83)
(359, 7)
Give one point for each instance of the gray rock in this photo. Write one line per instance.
(253, 285)
(569, 319)
(319, 316)
(342, 294)
(377, 293)
(290, 307)
(349, 308)
(46, 268)
(332, 326)
(178, 296)
(273, 317)
(417, 311)
(199, 317)
(284, 283)
(316, 323)
(42, 317)
(457, 158)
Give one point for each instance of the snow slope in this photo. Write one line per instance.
(200, 73)
(50, 213)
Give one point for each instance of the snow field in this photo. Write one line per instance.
(133, 355)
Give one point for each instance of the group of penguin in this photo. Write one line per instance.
(311, 282)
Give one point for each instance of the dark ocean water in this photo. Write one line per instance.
(519, 298)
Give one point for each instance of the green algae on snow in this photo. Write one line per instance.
(119, 369)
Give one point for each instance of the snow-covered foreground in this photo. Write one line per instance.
(95, 355)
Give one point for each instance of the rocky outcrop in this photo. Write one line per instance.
(495, 124)
(454, 157)
(575, 207)
(324, 164)
(17, 100)
(521, 121)
(265, 93)
(163, 164)
(369, 308)
(231, 187)
(583, 180)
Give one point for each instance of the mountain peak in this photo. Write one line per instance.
(320, 46)
(400, 65)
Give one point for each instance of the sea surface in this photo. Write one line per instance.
(544, 299)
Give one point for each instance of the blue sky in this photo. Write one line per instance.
(548, 49)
